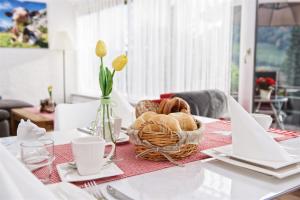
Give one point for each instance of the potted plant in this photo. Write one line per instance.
(103, 124)
(265, 86)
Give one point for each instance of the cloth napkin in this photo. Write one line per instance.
(122, 108)
(17, 182)
(29, 131)
(250, 140)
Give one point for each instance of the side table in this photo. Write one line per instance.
(43, 120)
(275, 108)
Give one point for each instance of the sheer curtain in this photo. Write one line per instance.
(105, 20)
(178, 45)
(173, 45)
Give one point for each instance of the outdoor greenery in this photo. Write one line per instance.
(278, 48)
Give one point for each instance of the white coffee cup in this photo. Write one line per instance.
(88, 154)
(264, 120)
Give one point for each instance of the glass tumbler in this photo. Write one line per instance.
(38, 157)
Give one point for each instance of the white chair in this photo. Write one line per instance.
(71, 116)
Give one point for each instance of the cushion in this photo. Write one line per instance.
(4, 115)
(8, 104)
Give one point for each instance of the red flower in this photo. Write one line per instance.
(270, 81)
(265, 82)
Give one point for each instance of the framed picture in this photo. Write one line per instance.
(23, 24)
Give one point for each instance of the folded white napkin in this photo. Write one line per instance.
(29, 131)
(122, 108)
(17, 182)
(250, 140)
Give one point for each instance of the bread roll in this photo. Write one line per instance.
(186, 121)
(147, 115)
(142, 119)
(162, 105)
(165, 120)
(176, 104)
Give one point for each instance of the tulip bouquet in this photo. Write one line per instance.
(105, 75)
(102, 126)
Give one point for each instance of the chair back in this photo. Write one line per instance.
(71, 116)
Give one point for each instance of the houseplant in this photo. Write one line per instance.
(103, 124)
(265, 86)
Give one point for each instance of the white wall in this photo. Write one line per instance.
(26, 73)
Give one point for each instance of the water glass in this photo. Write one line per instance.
(38, 157)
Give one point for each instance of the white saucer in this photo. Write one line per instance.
(69, 174)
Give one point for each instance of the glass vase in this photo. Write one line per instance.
(103, 124)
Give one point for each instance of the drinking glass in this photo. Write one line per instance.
(38, 157)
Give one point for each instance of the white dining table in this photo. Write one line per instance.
(203, 179)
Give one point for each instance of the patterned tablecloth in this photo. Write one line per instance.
(134, 166)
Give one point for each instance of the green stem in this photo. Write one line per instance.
(103, 121)
(113, 74)
(101, 62)
(109, 125)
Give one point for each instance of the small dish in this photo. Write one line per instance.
(70, 174)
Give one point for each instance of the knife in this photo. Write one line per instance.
(116, 193)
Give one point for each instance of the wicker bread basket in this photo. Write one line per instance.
(163, 144)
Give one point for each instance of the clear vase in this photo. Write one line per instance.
(103, 124)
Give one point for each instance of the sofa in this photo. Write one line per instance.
(5, 111)
(4, 123)
(206, 103)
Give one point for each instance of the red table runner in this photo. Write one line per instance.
(134, 166)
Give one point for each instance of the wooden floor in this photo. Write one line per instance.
(290, 196)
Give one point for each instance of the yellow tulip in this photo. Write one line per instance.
(50, 88)
(100, 49)
(119, 62)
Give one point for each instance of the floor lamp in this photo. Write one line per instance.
(62, 43)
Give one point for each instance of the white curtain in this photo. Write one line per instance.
(105, 20)
(178, 45)
(173, 45)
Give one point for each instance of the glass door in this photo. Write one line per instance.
(243, 48)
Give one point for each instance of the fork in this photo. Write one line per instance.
(91, 187)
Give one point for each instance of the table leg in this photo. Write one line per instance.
(258, 107)
(277, 120)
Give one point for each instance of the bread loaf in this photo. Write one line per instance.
(175, 104)
(143, 118)
(186, 121)
(165, 120)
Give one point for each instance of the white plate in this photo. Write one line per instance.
(227, 150)
(278, 173)
(65, 190)
(123, 137)
(68, 174)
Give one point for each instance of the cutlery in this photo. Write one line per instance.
(116, 193)
(92, 189)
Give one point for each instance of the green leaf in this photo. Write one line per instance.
(109, 82)
(102, 80)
